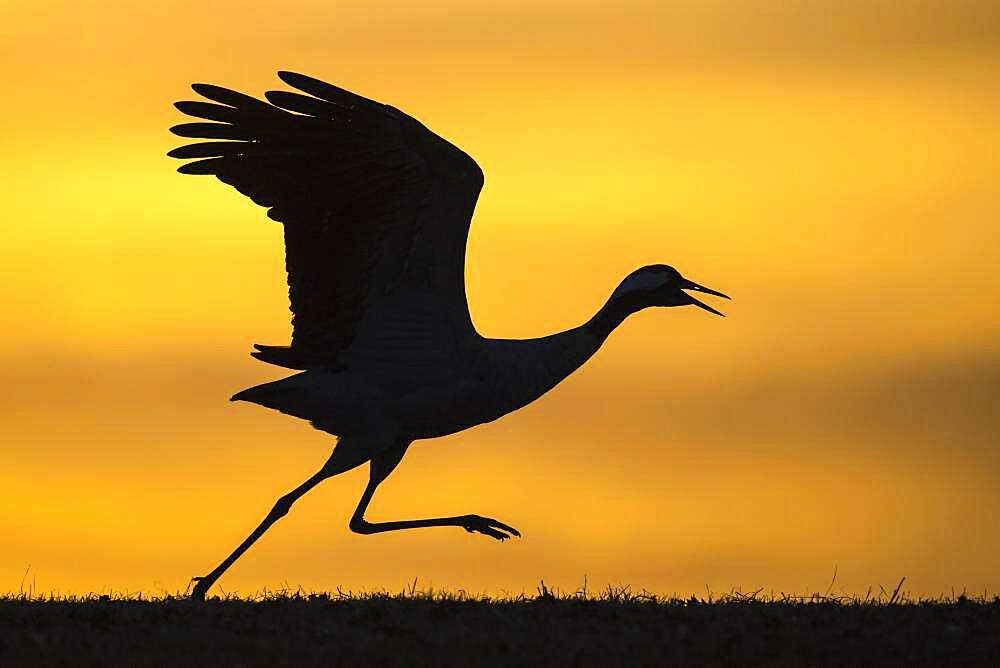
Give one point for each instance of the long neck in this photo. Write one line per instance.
(613, 314)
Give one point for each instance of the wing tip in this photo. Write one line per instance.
(204, 89)
(206, 166)
(285, 75)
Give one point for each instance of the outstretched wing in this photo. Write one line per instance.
(370, 199)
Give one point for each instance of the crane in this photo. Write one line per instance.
(376, 210)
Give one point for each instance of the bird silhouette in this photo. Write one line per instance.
(376, 211)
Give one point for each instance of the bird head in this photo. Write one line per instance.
(662, 285)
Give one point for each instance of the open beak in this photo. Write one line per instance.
(691, 285)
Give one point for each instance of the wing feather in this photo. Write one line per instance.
(326, 91)
(206, 149)
(369, 198)
(209, 111)
(212, 131)
(303, 104)
(229, 97)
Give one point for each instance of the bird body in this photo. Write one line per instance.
(435, 392)
(376, 211)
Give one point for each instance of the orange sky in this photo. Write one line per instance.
(829, 164)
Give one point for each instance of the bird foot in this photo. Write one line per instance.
(489, 527)
(201, 586)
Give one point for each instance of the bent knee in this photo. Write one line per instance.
(281, 507)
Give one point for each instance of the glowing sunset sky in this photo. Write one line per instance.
(831, 165)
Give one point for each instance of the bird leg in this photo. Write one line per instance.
(381, 466)
(280, 509)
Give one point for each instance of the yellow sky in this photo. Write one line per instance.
(829, 164)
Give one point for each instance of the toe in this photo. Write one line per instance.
(509, 529)
(493, 533)
(489, 527)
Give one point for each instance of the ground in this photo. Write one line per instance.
(617, 627)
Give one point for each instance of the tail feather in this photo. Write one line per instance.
(246, 395)
(284, 356)
(301, 396)
(270, 395)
